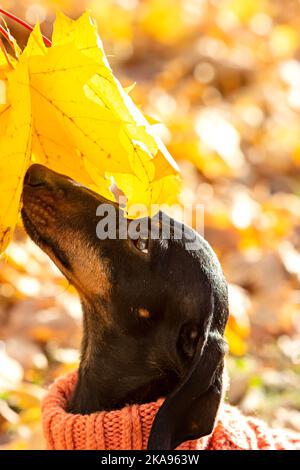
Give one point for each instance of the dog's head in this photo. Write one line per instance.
(154, 311)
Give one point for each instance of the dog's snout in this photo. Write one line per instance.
(36, 175)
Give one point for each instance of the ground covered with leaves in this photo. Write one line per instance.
(223, 76)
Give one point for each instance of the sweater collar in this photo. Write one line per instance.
(129, 428)
(124, 429)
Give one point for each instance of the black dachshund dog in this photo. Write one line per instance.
(154, 312)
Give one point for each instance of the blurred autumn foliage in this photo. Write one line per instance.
(222, 78)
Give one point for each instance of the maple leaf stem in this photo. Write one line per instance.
(4, 33)
(24, 24)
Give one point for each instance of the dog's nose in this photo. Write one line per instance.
(36, 175)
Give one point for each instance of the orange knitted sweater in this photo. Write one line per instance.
(129, 428)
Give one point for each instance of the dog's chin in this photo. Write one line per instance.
(38, 214)
(37, 223)
(32, 229)
(39, 235)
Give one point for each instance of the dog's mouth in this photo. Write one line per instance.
(39, 214)
(31, 226)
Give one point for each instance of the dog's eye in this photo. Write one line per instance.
(142, 244)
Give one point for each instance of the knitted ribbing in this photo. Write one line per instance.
(129, 428)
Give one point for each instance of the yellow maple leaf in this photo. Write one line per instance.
(162, 191)
(66, 110)
(15, 148)
(117, 138)
(107, 91)
(55, 103)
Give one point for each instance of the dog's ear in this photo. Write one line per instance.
(189, 412)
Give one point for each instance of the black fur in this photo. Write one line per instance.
(177, 352)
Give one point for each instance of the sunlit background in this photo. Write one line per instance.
(222, 77)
